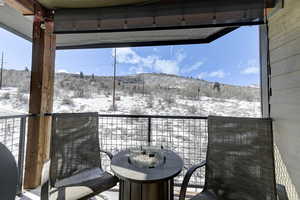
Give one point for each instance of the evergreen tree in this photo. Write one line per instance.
(81, 75)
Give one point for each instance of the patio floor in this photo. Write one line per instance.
(108, 195)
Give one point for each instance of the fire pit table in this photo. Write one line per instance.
(146, 173)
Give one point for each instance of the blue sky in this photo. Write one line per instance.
(232, 59)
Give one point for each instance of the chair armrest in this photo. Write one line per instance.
(281, 192)
(110, 155)
(187, 178)
(45, 181)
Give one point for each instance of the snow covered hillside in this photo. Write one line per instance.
(12, 101)
(159, 94)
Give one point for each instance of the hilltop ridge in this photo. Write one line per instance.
(145, 83)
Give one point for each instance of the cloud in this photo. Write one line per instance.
(166, 66)
(180, 55)
(202, 75)
(250, 70)
(152, 62)
(252, 67)
(192, 68)
(136, 69)
(127, 55)
(214, 74)
(62, 71)
(171, 50)
(217, 74)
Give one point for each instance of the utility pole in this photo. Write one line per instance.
(2, 63)
(114, 80)
(143, 84)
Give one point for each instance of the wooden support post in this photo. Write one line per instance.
(41, 100)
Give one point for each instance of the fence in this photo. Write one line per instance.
(186, 135)
(12, 135)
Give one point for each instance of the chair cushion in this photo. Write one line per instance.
(86, 183)
(205, 195)
(71, 193)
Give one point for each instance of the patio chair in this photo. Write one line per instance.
(74, 170)
(8, 174)
(239, 163)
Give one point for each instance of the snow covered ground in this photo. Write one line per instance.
(13, 102)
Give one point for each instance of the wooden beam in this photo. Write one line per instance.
(26, 7)
(41, 100)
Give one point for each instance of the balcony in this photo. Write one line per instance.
(185, 135)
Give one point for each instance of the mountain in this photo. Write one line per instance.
(147, 83)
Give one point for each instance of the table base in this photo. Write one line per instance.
(162, 190)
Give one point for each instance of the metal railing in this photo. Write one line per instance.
(186, 135)
(12, 135)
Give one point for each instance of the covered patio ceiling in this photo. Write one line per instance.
(53, 4)
(120, 23)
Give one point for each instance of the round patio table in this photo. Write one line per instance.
(146, 183)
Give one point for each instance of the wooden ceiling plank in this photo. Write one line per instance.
(26, 7)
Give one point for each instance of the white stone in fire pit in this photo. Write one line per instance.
(146, 157)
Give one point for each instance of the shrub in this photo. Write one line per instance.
(22, 98)
(150, 102)
(192, 109)
(159, 102)
(107, 94)
(99, 90)
(67, 101)
(136, 111)
(6, 95)
(24, 88)
(250, 98)
(130, 93)
(169, 99)
(112, 108)
(82, 93)
(58, 92)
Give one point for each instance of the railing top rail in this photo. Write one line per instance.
(14, 116)
(116, 115)
(152, 116)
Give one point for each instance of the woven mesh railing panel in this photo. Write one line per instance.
(75, 144)
(12, 135)
(187, 137)
(240, 162)
(120, 133)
